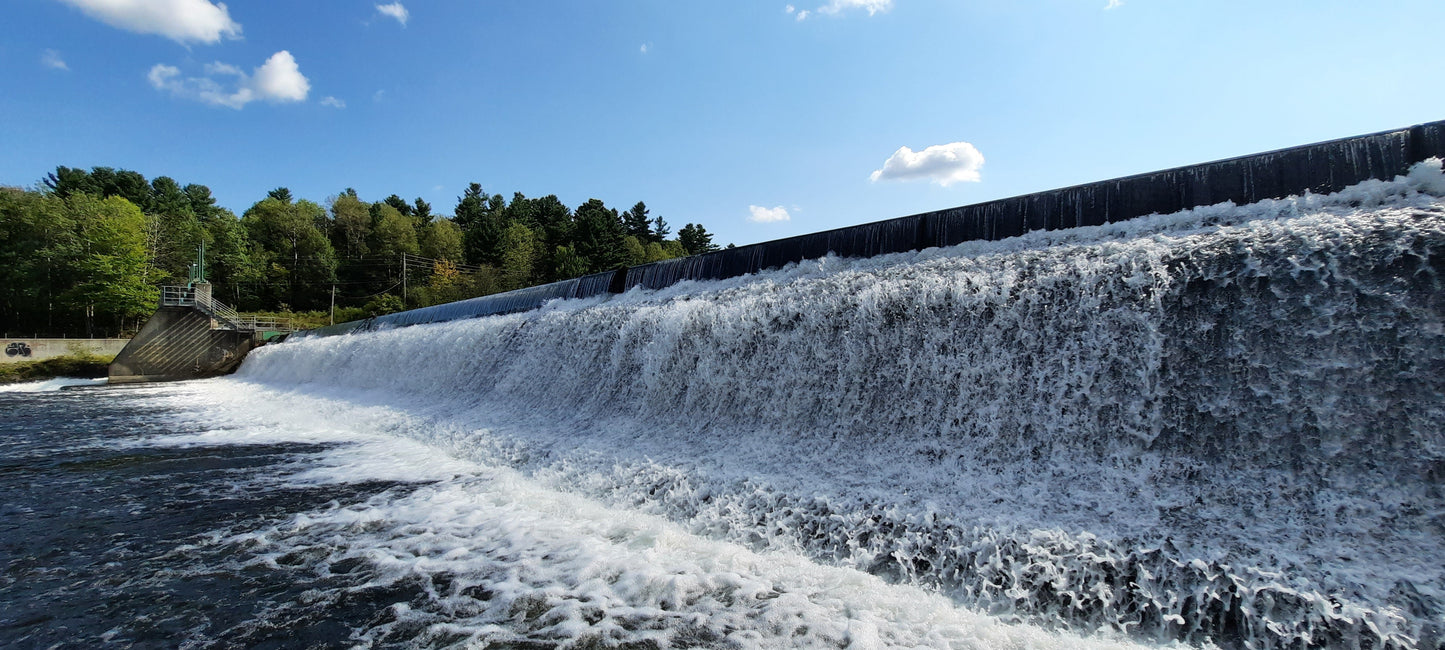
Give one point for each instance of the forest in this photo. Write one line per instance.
(85, 252)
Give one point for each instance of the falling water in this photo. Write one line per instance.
(1220, 426)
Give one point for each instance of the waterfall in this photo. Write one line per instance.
(1225, 424)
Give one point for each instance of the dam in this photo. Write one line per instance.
(1209, 411)
(1217, 426)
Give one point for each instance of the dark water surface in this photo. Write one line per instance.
(99, 541)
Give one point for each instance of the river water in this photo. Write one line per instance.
(226, 514)
(1224, 427)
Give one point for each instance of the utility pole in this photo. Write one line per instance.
(333, 303)
(403, 280)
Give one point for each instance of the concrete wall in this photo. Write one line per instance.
(178, 343)
(48, 348)
(1319, 168)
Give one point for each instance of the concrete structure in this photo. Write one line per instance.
(38, 349)
(190, 337)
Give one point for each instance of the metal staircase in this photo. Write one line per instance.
(199, 297)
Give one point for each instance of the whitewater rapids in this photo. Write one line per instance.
(1224, 426)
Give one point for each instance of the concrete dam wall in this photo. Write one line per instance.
(1320, 168)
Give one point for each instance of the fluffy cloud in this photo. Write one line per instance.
(761, 214)
(395, 10)
(1114, 4)
(944, 164)
(332, 102)
(277, 80)
(835, 7)
(183, 21)
(51, 59)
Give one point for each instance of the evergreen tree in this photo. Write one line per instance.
(479, 218)
(203, 205)
(660, 230)
(695, 239)
(65, 181)
(399, 204)
(598, 236)
(471, 206)
(638, 223)
(174, 233)
(281, 194)
(567, 263)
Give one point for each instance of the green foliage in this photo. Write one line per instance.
(391, 233)
(110, 256)
(298, 263)
(173, 233)
(74, 365)
(399, 204)
(638, 223)
(568, 264)
(599, 236)
(89, 249)
(519, 248)
(441, 240)
(696, 239)
(350, 226)
(636, 253)
(480, 221)
(382, 305)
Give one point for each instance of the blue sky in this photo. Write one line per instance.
(720, 113)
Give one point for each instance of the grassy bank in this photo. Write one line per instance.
(76, 365)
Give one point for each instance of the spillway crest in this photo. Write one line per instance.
(1225, 425)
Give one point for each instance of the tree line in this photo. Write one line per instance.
(84, 253)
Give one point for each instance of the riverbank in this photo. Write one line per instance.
(85, 366)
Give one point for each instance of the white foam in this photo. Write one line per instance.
(47, 385)
(1216, 398)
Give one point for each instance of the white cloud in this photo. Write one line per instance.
(944, 164)
(378, 95)
(332, 102)
(277, 80)
(395, 10)
(761, 214)
(838, 6)
(645, 46)
(1114, 4)
(51, 59)
(224, 68)
(183, 21)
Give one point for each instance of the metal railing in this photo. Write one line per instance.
(266, 323)
(226, 318)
